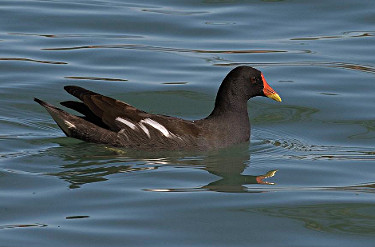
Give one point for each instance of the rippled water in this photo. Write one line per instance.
(306, 179)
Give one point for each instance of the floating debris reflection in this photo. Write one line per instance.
(94, 78)
(29, 60)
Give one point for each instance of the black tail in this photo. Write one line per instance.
(83, 109)
(41, 102)
(77, 127)
(62, 118)
(79, 92)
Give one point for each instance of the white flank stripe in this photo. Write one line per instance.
(126, 122)
(157, 126)
(144, 128)
(69, 124)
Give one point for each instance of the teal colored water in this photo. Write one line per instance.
(307, 178)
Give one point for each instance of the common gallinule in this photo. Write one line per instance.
(113, 122)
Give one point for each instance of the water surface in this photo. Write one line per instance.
(305, 179)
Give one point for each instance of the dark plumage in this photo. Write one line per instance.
(109, 121)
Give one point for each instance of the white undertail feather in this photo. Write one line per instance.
(69, 124)
(65, 125)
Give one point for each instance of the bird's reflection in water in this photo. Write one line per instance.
(236, 183)
(95, 163)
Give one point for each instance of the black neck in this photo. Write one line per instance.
(229, 101)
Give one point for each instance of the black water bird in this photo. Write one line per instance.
(113, 122)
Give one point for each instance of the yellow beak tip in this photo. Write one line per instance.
(275, 97)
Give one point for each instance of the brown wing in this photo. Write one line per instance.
(120, 116)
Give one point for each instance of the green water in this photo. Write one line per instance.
(169, 57)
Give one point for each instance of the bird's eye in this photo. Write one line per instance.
(253, 80)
